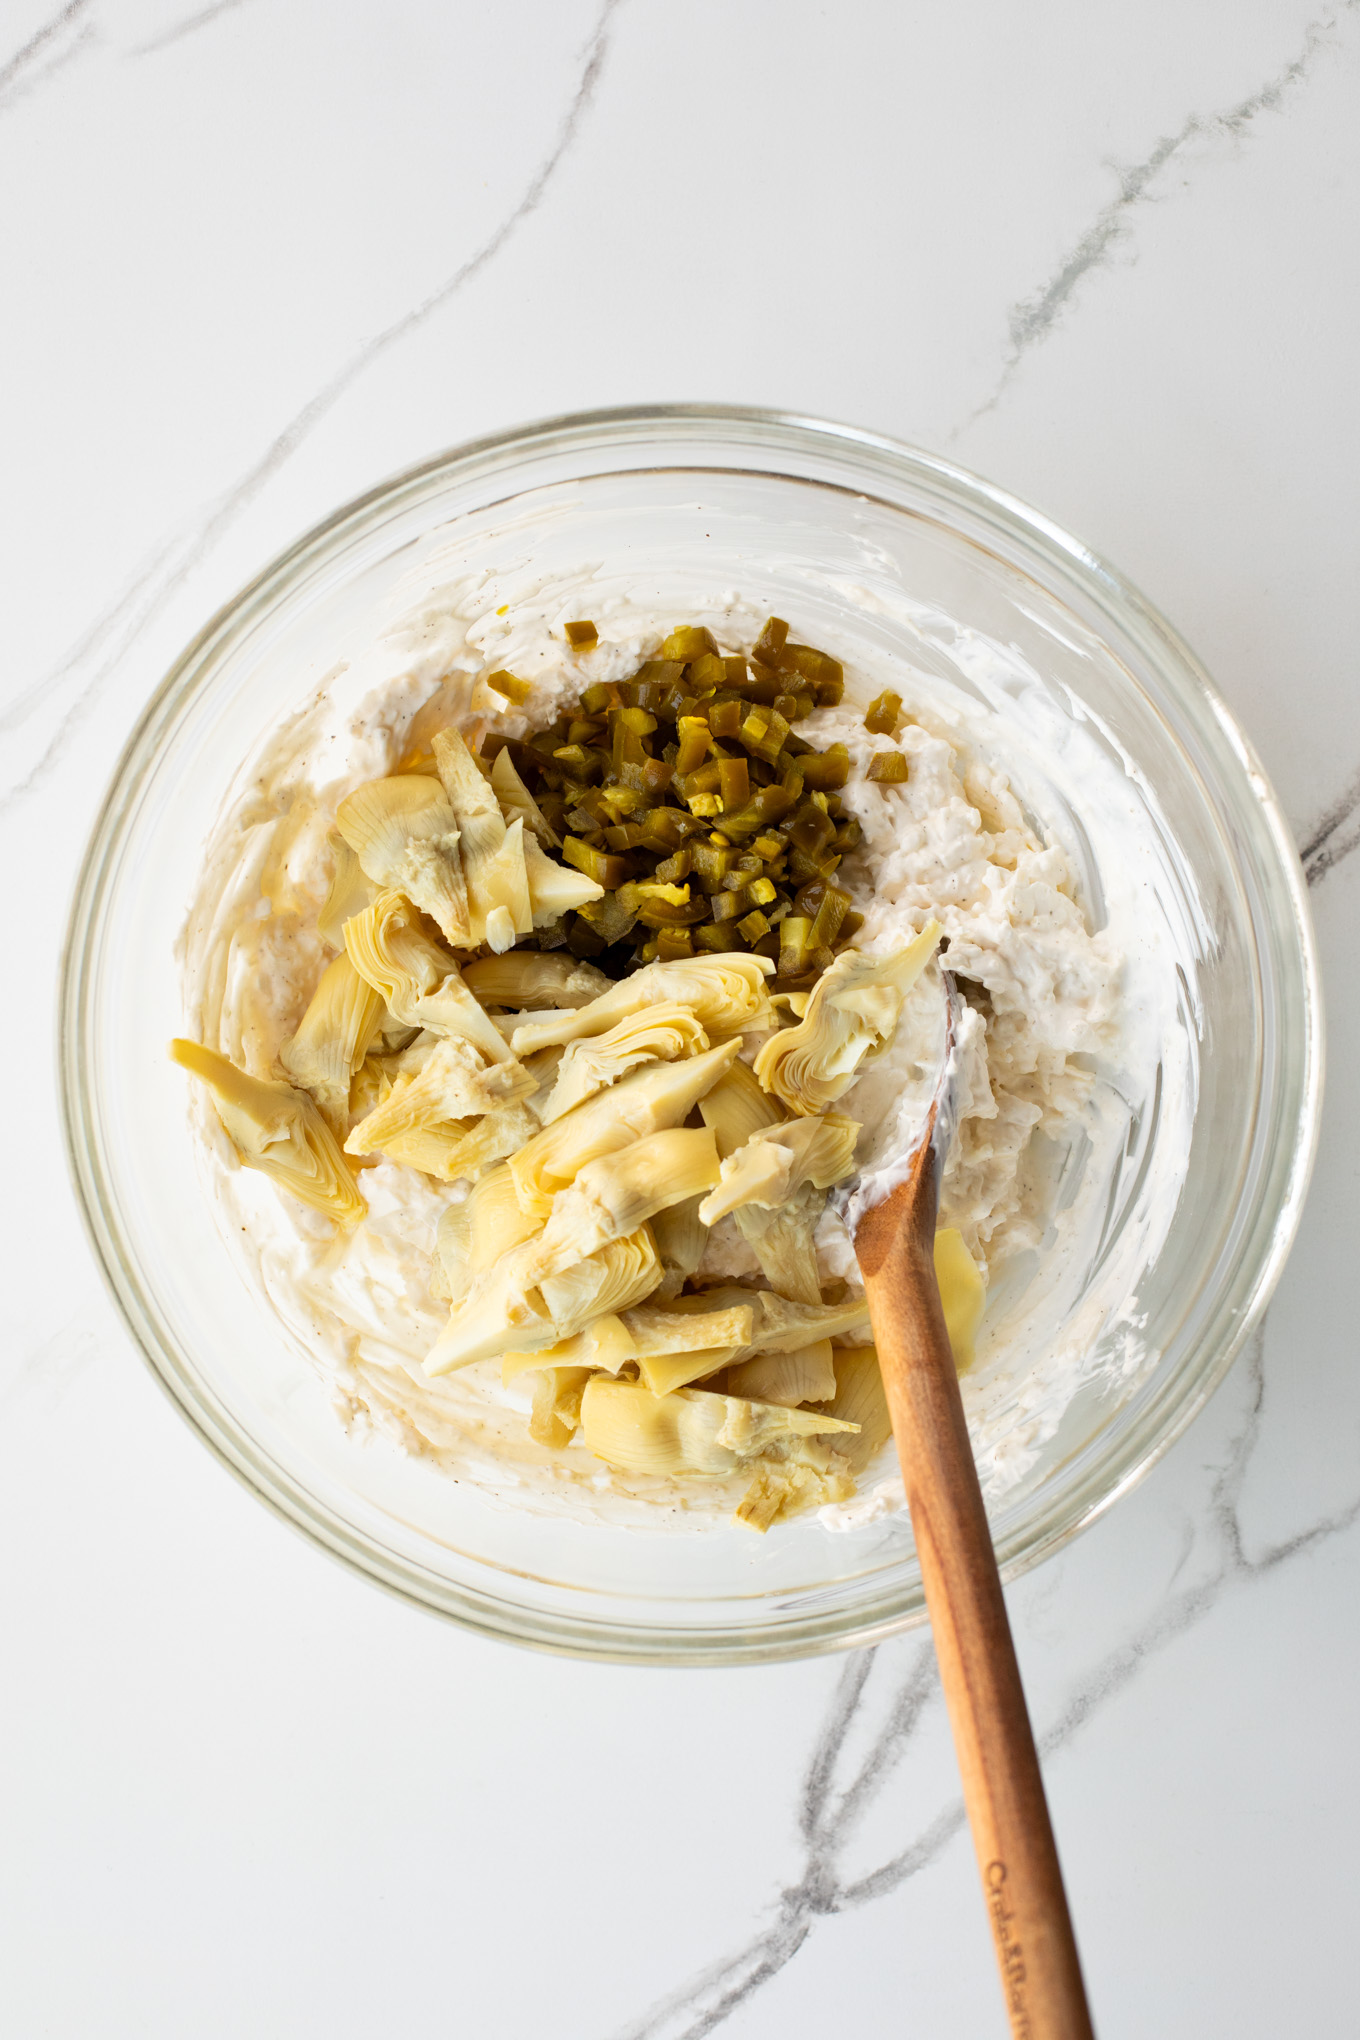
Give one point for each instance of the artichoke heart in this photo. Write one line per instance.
(674, 1348)
(617, 1193)
(453, 1082)
(665, 1372)
(405, 834)
(963, 1294)
(518, 804)
(450, 1275)
(493, 855)
(555, 889)
(778, 1161)
(421, 984)
(607, 1344)
(807, 1375)
(463, 1147)
(279, 1131)
(736, 1108)
(334, 1036)
(604, 1284)
(527, 978)
(495, 1221)
(783, 1326)
(726, 994)
(654, 1329)
(555, 1412)
(500, 1312)
(681, 1237)
(692, 1430)
(660, 1034)
(785, 1244)
(849, 1018)
(679, 1348)
(786, 1487)
(859, 1399)
(351, 891)
(657, 1096)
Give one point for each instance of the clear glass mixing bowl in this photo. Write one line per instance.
(677, 497)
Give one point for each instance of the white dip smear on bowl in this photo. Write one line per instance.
(1076, 1051)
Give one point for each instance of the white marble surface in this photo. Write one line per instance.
(260, 253)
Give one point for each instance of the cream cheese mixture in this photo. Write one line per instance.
(1063, 1027)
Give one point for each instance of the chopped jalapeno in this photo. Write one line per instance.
(606, 870)
(635, 774)
(690, 641)
(695, 744)
(734, 782)
(825, 770)
(881, 716)
(771, 641)
(507, 685)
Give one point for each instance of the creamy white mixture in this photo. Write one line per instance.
(1063, 1034)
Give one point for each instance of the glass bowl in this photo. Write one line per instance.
(790, 511)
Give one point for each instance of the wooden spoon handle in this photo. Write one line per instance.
(1003, 1787)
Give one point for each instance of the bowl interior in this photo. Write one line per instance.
(881, 555)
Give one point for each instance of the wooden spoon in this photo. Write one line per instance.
(1003, 1787)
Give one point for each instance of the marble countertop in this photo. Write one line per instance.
(261, 253)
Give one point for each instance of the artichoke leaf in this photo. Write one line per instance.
(277, 1130)
(807, 1375)
(665, 1372)
(606, 1343)
(963, 1294)
(851, 1014)
(649, 1100)
(351, 890)
(692, 1430)
(555, 889)
(503, 893)
(661, 1033)
(736, 1108)
(527, 978)
(654, 1329)
(450, 1275)
(783, 1326)
(462, 1147)
(452, 1083)
(860, 1400)
(502, 1311)
(555, 1412)
(495, 1221)
(405, 834)
(775, 1163)
(420, 982)
(494, 867)
(604, 1284)
(784, 1243)
(615, 1194)
(681, 1237)
(333, 1037)
(518, 804)
(726, 995)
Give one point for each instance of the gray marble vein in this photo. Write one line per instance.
(180, 29)
(1033, 318)
(116, 632)
(827, 1818)
(63, 37)
(1335, 835)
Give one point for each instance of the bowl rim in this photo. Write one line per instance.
(666, 425)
